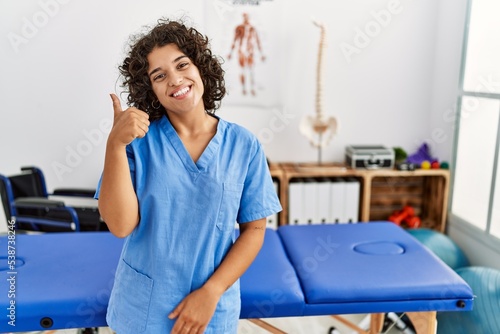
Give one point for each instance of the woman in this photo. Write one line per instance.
(176, 179)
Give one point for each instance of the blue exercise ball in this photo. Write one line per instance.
(442, 246)
(485, 316)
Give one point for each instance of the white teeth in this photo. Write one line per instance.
(181, 92)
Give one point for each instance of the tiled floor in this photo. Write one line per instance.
(304, 325)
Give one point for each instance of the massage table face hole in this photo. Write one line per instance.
(379, 248)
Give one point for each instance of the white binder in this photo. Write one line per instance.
(352, 192)
(337, 191)
(323, 201)
(309, 201)
(272, 221)
(295, 203)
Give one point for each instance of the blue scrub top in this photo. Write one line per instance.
(188, 212)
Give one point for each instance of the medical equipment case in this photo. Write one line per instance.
(369, 156)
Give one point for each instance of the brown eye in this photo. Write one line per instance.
(158, 77)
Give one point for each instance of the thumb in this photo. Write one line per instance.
(117, 108)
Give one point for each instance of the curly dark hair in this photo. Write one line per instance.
(192, 43)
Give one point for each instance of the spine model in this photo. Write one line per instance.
(319, 129)
(319, 70)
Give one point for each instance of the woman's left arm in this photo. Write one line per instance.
(195, 311)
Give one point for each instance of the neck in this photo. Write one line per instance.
(192, 124)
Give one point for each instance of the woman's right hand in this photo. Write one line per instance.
(128, 124)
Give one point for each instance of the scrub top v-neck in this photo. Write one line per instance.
(204, 160)
(188, 212)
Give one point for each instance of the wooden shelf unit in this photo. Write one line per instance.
(382, 190)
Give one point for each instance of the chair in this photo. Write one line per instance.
(4, 224)
(25, 199)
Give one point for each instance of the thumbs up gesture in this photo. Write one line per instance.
(128, 124)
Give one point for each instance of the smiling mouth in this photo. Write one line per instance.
(181, 92)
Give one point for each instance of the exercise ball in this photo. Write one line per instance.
(484, 317)
(442, 246)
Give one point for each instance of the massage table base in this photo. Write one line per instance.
(64, 280)
(423, 322)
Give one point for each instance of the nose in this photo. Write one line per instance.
(175, 80)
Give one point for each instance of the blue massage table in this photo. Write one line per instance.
(63, 280)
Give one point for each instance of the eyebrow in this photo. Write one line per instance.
(174, 61)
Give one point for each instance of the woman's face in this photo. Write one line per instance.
(175, 80)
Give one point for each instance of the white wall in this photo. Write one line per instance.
(55, 84)
(56, 79)
(446, 73)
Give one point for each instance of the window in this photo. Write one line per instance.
(476, 184)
